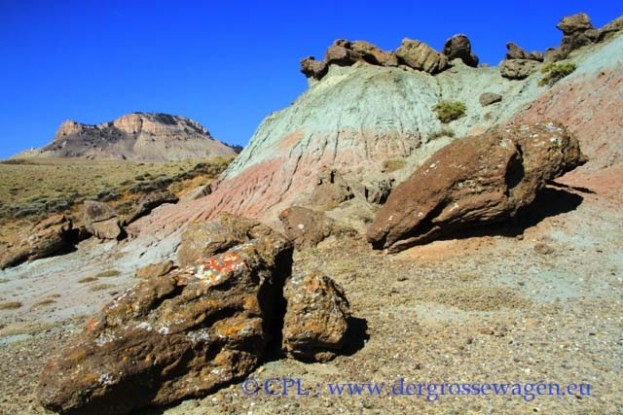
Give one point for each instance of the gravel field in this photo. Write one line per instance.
(513, 304)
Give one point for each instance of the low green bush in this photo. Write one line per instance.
(554, 72)
(449, 111)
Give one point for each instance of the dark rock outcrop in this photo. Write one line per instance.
(176, 336)
(516, 52)
(412, 53)
(474, 181)
(316, 319)
(346, 53)
(459, 47)
(312, 68)
(100, 220)
(306, 227)
(331, 190)
(518, 68)
(578, 31)
(149, 202)
(488, 98)
(47, 238)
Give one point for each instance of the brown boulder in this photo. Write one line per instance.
(420, 56)
(579, 22)
(316, 319)
(459, 47)
(305, 227)
(518, 68)
(312, 68)
(173, 337)
(340, 53)
(46, 238)
(474, 181)
(488, 98)
(204, 239)
(373, 55)
(100, 220)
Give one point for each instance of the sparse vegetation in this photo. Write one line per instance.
(43, 303)
(10, 305)
(554, 72)
(101, 287)
(87, 280)
(393, 164)
(448, 111)
(108, 273)
(444, 132)
(61, 186)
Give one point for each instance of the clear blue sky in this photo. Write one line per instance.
(226, 64)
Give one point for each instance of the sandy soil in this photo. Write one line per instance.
(538, 300)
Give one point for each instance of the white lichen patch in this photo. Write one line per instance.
(164, 330)
(106, 379)
(143, 325)
(104, 338)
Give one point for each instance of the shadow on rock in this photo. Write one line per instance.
(549, 202)
(356, 336)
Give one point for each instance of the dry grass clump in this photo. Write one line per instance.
(10, 305)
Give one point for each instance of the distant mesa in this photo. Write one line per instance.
(150, 137)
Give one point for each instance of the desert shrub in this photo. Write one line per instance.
(108, 273)
(554, 72)
(444, 132)
(393, 164)
(101, 287)
(448, 111)
(10, 305)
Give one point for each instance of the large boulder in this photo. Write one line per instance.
(579, 22)
(305, 227)
(316, 320)
(204, 239)
(100, 220)
(418, 55)
(474, 181)
(46, 238)
(176, 336)
(459, 47)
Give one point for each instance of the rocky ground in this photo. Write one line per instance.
(536, 300)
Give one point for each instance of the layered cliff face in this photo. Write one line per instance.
(136, 136)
